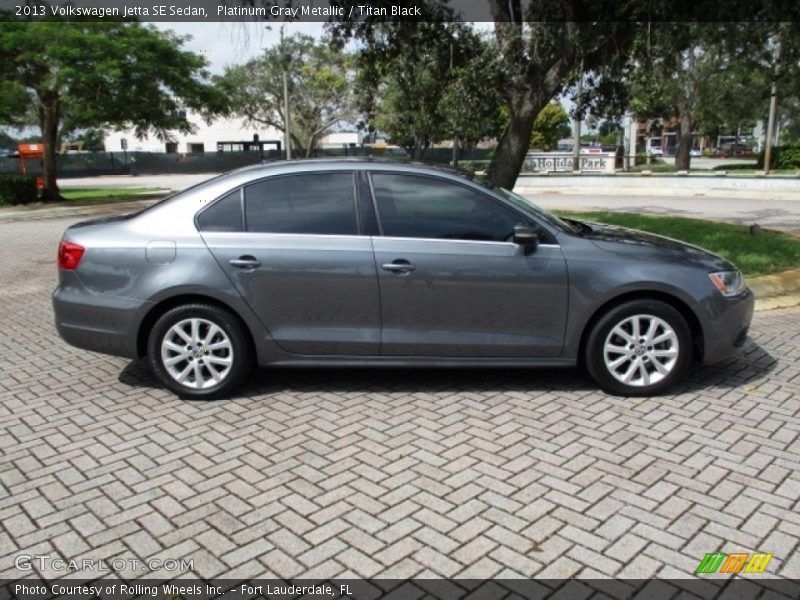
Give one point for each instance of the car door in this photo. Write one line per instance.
(296, 256)
(452, 284)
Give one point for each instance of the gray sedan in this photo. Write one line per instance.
(356, 263)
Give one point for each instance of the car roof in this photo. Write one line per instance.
(337, 163)
(186, 201)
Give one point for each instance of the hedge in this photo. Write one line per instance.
(17, 189)
(783, 157)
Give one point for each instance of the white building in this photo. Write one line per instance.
(226, 134)
(338, 139)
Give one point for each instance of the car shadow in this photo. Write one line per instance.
(751, 364)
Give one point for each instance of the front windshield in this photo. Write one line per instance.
(527, 204)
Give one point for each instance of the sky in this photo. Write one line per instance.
(224, 44)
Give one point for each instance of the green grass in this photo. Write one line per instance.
(769, 252)
(110, 193)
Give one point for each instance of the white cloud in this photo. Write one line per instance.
(233, 43)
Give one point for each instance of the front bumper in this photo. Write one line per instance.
(726, 326)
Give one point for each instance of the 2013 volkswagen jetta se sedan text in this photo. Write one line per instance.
(357, 263)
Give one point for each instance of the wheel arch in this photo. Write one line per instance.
(146, 325)
(695, 327)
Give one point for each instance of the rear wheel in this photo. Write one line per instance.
(639, 348)
(199, 351)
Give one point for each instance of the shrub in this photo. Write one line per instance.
(783, 157)
(473, 165)
(17, 189)
(734, 167)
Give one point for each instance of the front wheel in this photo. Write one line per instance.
(639, 348)
(199, 351)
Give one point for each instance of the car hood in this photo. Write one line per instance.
(621, 240)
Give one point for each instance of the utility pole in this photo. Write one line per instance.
(773, 101)
(287, 139)
(576, 144)
(455, 120)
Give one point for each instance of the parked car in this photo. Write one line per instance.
(734, 150)
(655, 151)
(345, 263)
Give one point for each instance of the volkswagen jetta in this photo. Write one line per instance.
(356, 263)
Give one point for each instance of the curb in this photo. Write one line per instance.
(781, 290)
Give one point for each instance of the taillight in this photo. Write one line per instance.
(69, 255)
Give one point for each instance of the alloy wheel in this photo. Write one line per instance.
(641, 350)
(197, 353)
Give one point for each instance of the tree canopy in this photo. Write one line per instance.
(319, 83)
(79, 75)
(540, 49)
(422, 84)
(551, 124)
(708, 77)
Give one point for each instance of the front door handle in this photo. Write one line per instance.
(400, 265)
(245, 262)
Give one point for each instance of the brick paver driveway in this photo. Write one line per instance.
(393, 473)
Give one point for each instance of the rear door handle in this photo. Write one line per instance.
(398, 266)
(245, 262)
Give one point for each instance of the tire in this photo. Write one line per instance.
(647, 364)
(199, 351)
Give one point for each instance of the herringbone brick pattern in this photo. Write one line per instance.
(365, 473)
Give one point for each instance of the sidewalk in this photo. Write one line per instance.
(663, 184)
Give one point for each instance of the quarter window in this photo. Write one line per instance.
(224, 215)
(426, 207)
(315, 203)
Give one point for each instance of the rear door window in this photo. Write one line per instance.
(306, 203)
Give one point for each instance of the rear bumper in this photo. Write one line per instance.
(726, 327)
(97, 322)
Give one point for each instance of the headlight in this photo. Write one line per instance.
(729, 283)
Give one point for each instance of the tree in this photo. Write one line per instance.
(711, 76)
(319, 83)
(544, 50)
(422, 82)
(551, 124)
(92, 74)
(471, 103)
(540, 51)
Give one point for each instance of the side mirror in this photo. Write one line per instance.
(527, 237)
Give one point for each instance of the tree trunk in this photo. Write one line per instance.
(514, 143)
(417, 154)
(683, 155)
(49, 126)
